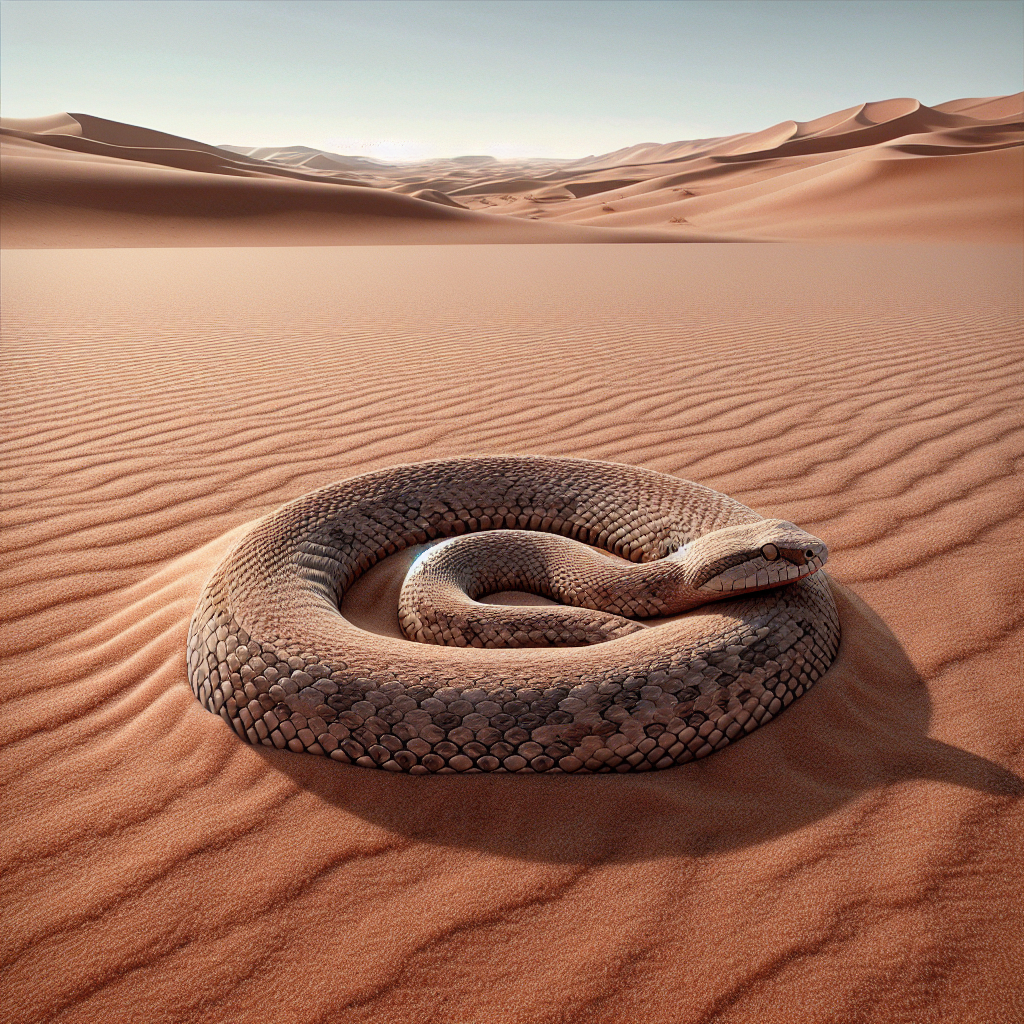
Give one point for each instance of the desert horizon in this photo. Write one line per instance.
(888, 169)
(247, 388)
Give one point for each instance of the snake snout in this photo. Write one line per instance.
(785, 542)
(778, 553)
(801, 555)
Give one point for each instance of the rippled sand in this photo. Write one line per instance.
(855, 860)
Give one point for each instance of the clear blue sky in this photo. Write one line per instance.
(437, 78)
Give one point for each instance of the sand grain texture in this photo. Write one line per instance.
(855, 860)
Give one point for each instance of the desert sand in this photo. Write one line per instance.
(856, 859)
(895, 169)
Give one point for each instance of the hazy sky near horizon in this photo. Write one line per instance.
(410, 79)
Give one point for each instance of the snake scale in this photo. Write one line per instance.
(269, 651)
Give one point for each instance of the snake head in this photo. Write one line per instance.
(751, 556)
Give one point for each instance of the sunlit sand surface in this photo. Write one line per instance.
(856, 859)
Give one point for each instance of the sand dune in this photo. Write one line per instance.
(993, 107)
(893, 169)
(176, 197)
(855, 860)
(84, 181)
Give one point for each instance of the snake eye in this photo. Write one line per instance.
(770, 551)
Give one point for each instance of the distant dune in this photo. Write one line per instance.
(888, 170)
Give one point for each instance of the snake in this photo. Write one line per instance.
(742, 620)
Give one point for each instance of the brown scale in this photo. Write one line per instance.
(298, 675)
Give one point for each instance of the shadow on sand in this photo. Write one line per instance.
(863, 727)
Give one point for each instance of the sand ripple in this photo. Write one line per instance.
(855, 860)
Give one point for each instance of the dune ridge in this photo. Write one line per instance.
(856, 860)
(893, 169)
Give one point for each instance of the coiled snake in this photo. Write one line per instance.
(269, 651)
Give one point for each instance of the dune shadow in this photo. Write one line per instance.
(863, 727)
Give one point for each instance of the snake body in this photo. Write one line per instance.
(269, 651)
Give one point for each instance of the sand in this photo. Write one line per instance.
(194, 334)
(855, 860)
(895, 169)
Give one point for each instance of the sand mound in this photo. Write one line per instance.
(893, 169)
(889, 170)
(431, 195)
(89, 199)
(995, 108)
(855, 860)
(81, 181)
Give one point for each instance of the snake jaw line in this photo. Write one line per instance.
(760, 574)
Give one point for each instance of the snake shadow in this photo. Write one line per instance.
(863, 727)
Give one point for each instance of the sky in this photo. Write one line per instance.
(415, 79)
